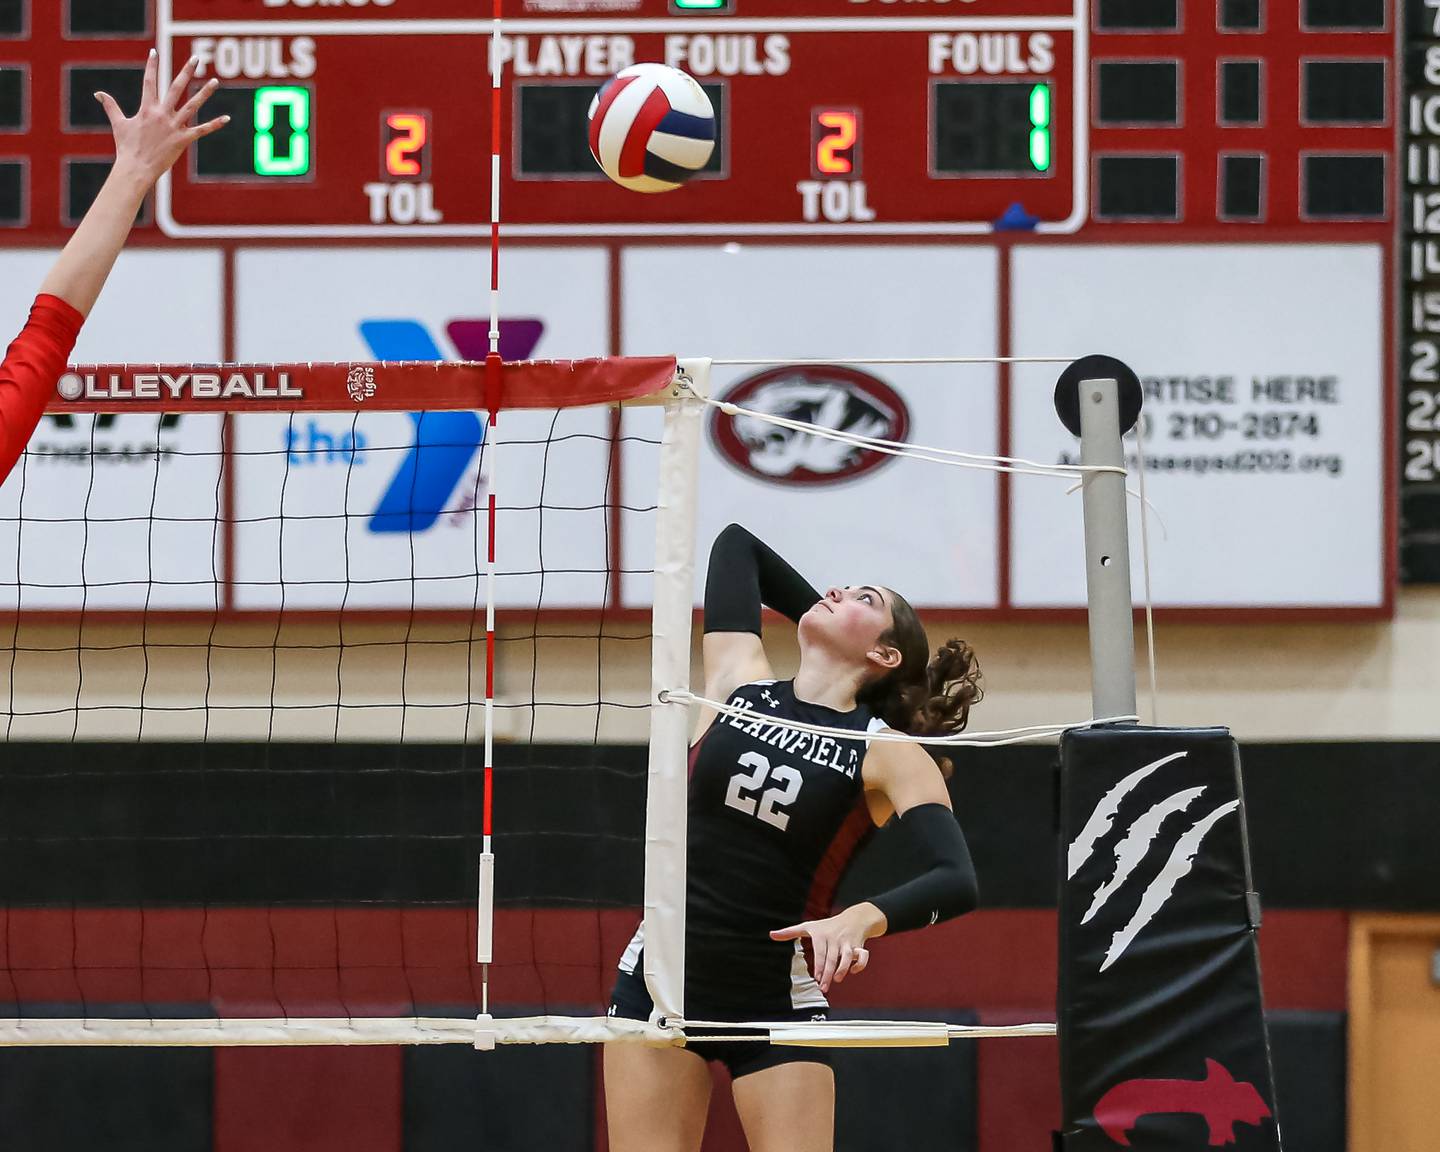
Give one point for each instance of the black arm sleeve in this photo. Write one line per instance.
(947, 887)
(745, 573)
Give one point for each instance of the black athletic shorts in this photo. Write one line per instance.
(631, 1001)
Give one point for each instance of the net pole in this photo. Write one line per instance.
(493, 385)
(667, 782)
(1107, 552)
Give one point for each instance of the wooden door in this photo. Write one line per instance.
(1394, 1034)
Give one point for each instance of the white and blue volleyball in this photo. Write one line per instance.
(651, 128)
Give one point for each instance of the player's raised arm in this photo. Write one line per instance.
(744, 574)
(146, 145)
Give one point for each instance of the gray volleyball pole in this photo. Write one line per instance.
(1098, 399)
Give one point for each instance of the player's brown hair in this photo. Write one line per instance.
(924, 695)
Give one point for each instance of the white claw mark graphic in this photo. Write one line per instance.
(1132, 850)
(1182, 859)
(1104, 814)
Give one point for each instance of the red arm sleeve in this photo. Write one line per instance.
(31, 370)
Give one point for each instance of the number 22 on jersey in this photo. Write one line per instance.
(785, 787)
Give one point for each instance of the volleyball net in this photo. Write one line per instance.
(279, 647)
(322, 705)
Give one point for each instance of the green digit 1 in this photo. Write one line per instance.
(1040, 127)
(296, 162)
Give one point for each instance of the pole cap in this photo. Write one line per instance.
(1067, 390)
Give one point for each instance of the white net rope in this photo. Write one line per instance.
(998, 739)
(1014, 465)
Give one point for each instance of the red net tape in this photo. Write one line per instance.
(384, 386)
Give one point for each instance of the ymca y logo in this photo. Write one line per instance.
(445, 442)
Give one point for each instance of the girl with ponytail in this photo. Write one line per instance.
(775, 812)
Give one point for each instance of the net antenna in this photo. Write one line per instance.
(485, 919)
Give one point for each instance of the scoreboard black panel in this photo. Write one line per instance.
(1419, 326)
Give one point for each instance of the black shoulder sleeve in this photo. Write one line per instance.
(946, 887)
(744, 573)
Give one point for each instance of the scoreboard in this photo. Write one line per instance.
(371, 118)
(1210, 188)
(376, 120)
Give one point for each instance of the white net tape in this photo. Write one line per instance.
(485, 1032)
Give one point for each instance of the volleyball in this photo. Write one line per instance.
(651, 128)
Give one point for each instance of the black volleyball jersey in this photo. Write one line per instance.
(774, 817)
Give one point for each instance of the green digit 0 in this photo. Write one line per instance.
(1040, 127)
(296, 161)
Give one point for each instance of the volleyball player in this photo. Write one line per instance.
(774, 815)
(146, 145)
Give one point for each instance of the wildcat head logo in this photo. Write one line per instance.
(1222, 1100)
(829, 398)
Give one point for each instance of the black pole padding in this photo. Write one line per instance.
(1067, 390)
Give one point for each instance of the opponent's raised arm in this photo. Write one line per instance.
(146, 147)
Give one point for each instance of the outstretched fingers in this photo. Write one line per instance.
(192, 106)
(181, 83)
(199, 131)
(824, 962)
(112, 109)
(832, 957)
(150, 89)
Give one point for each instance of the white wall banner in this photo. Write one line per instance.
(842, 516)
(1264, 430)
(379, 510)
(120, 512)
(1264, 381)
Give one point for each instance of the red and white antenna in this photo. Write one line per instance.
(493, 379)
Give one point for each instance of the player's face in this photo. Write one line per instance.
(849, 621)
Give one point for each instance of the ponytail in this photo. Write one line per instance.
(924, 695)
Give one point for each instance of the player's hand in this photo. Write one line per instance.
(148, 143)
(838, 942)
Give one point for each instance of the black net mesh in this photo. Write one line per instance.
(246, 676)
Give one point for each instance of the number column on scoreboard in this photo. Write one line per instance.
(1420, 301)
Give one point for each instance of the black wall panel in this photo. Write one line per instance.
(105, 1099)
(1331, 825)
